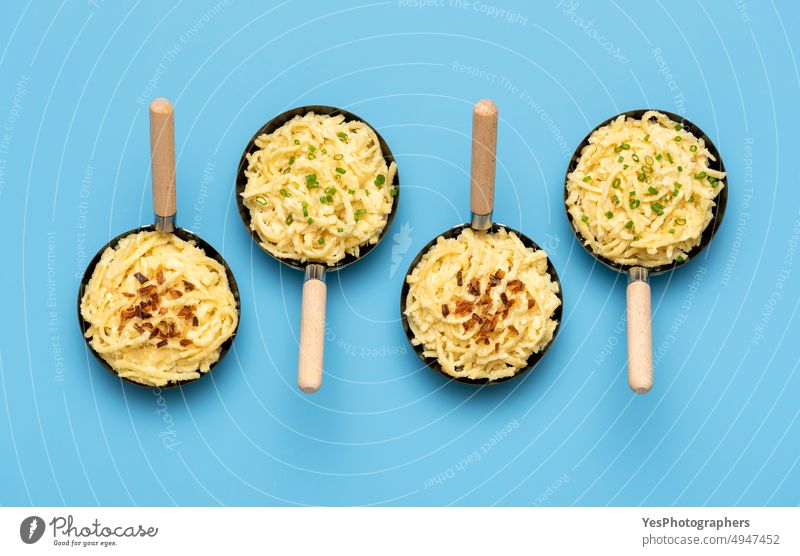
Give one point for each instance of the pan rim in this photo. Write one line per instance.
(432, 362)
(270, 126)
(210, 251)
(718, 212)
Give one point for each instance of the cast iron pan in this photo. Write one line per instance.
(640, 350)
(484, 143)
(312, 324)
(162, 145)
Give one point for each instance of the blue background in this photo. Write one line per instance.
(721, 424)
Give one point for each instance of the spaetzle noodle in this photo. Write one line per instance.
(482, 304)
(643, 191)
(158, 309)
(318, 189)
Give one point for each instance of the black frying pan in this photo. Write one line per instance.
(484, 143)
(312, 324)
(162, 145)
(640, 349)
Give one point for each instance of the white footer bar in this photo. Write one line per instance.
(382, 531)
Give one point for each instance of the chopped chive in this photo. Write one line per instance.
(323, 199)
(680, 258)
(629, 224)
(635, 157)
(677, 138)
(615, 199)
(699, 175)
(713, 181)
(680, 168)
(625, 166)
(289, 219)
(672, 230)
(658, 208)
(587, 179)
(340, 230)
(658, 156)
(311, 178)
(675, 192)
(646, 138)
(380, 179)
(291, 160)
(634, 203)
(321, 240)
(584, 218)
(338, 156)
(678, 127)
(652, 190)
(393, 192)
(609, 214)
(329, 199)
(261, 200)
(693, 148)
(647, 169)
(305, 209)
(691, 198)
(312, 186)
(324, 151)
(624, 146)
(330, 191)
(669, 157)
(311, 148)
(641, 176)
(617, 149)
(297, 141)
(680, 221)
(312, 156)
(342, 136)
(310, 220)
(351, 191)
(678, 185)
(284, 192)
(649, 160)
(340, 170)
(615, 183)
(620, 159)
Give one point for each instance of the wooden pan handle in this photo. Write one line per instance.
(484, 150)
(640, 337)
(312, 336)
(162, 156)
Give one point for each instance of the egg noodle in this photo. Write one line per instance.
(481, 304)
(642, 192)
(318, 188)
(159, 309)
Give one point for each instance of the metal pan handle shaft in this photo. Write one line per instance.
(162, 157)
(312, 330)
(484, 150)
(640, 333)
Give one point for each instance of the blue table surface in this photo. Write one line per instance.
(720, 427)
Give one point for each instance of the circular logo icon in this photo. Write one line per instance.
(31, 529)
